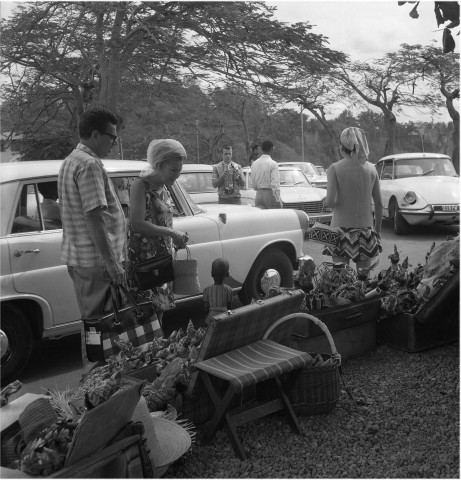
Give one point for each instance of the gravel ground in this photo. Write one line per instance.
(407, 426)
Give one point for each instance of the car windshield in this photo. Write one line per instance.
(196, 182)
(290, 178)
(416, 167)
(305, 167)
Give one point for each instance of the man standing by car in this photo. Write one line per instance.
(94, 229)
(265, 178)
(227, 177)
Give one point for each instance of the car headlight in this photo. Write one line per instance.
(410, 197)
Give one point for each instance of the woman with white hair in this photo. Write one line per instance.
(150, 232)
(352, 185)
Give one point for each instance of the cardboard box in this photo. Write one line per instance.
(353, 328)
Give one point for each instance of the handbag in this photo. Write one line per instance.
(324, 234)
(153, 272)
(186, 280)
(134, 322)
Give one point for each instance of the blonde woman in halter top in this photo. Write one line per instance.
(353, 185)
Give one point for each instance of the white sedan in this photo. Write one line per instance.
(37, 295)
(419, 189)
(295, 190)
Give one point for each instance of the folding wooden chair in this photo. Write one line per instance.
(244, 367)
(228, 331)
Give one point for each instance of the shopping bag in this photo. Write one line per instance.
(324, 234)
(153, 272)
(186, 280)
(134, 322)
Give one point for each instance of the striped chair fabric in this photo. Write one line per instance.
(254, 363)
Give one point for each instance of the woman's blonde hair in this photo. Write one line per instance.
(161, 151)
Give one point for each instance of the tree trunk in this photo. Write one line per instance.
(390, 126)
(77, 111)
(110, 81)
(454, 114)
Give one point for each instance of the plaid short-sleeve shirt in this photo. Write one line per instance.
(83, 184)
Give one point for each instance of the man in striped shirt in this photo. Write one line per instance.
(94, 227)
(265, 178)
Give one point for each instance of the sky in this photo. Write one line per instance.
(364, 30)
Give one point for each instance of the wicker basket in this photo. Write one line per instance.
(313, 390)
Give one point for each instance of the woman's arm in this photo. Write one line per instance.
(139, 224)
(376, 194)
(332, 187)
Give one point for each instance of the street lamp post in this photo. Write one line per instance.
(196, 135)
(302, 133)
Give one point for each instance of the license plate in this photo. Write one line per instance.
(450, 208)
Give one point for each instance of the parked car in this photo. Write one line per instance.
(419, 189)
(37, 295)
(295, 190)
(195, 179)
(310, 171)
(320, 169)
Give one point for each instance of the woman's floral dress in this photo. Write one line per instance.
(159, 210)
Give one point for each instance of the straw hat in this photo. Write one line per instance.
(166, 440)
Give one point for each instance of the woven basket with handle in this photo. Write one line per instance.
(314, 389)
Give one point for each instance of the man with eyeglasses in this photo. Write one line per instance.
(94, 228)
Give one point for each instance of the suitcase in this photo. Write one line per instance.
(436, 324)
(353, 328)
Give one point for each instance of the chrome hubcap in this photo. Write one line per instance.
(4, 345)
(271, 278)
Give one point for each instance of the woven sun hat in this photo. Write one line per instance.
(166, 440)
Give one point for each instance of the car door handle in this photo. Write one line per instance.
(18, 253)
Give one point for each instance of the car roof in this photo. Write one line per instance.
(283, 167)
(196, 167)
(13, 171)
(294, 163)
(406, 156)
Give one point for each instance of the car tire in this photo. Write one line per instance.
(400, 224)
(18, 333)
(268, 259)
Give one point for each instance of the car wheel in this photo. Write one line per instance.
(400, 224)
(16, 343)
(270, 259)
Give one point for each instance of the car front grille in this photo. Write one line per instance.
(309, 207)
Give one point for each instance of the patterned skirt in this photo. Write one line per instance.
(356, 244)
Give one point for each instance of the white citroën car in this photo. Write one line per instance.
(37, 295)
(418, 189)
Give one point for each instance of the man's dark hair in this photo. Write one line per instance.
(226, 147)
(48, 190)
(96, 119)
(267, 146)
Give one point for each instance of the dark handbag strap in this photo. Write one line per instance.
(131, 300)
(116, 298)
